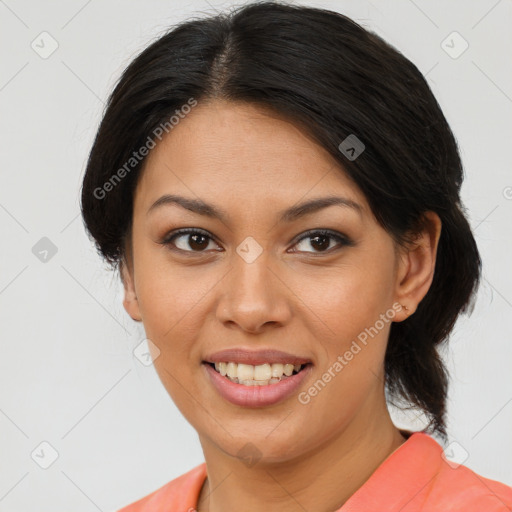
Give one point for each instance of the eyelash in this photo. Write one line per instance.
(343, 240)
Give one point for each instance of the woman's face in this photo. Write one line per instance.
(254, 281)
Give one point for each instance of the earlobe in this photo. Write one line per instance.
(130, 302)
(417, 267)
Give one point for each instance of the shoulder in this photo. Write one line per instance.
(180, 494)
(418, 477)
(460, 488)
(455, 487)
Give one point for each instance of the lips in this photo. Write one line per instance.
(239, 355)
(264, 394)
(256, 396)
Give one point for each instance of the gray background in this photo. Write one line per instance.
(68, 374)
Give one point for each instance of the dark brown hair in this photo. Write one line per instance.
(335, 78)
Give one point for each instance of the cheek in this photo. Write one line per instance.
(353, 304)
(166, 301)
(170, 303)
(348, 298)
(168, 294)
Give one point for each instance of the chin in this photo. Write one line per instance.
(260, 450)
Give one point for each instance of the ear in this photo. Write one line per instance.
(416, 267)
(130, 302)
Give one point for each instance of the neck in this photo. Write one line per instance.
(320, 480)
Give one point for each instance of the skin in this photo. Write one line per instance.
(312, 303)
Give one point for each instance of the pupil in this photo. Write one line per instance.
(194, 241)
(322, 237)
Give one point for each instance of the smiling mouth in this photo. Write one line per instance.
(259, 375)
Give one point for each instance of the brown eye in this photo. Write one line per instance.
(320, 241)
(188, 240)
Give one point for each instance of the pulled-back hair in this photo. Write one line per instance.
(334, 78)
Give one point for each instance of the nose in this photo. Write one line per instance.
(253, 296)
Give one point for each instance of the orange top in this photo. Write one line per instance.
(414, 478)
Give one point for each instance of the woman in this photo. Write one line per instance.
(279, 191)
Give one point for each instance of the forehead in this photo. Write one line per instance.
(237, 150)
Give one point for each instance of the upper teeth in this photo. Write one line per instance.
(263, 372)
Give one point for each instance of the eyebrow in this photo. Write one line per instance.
(295, 212)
